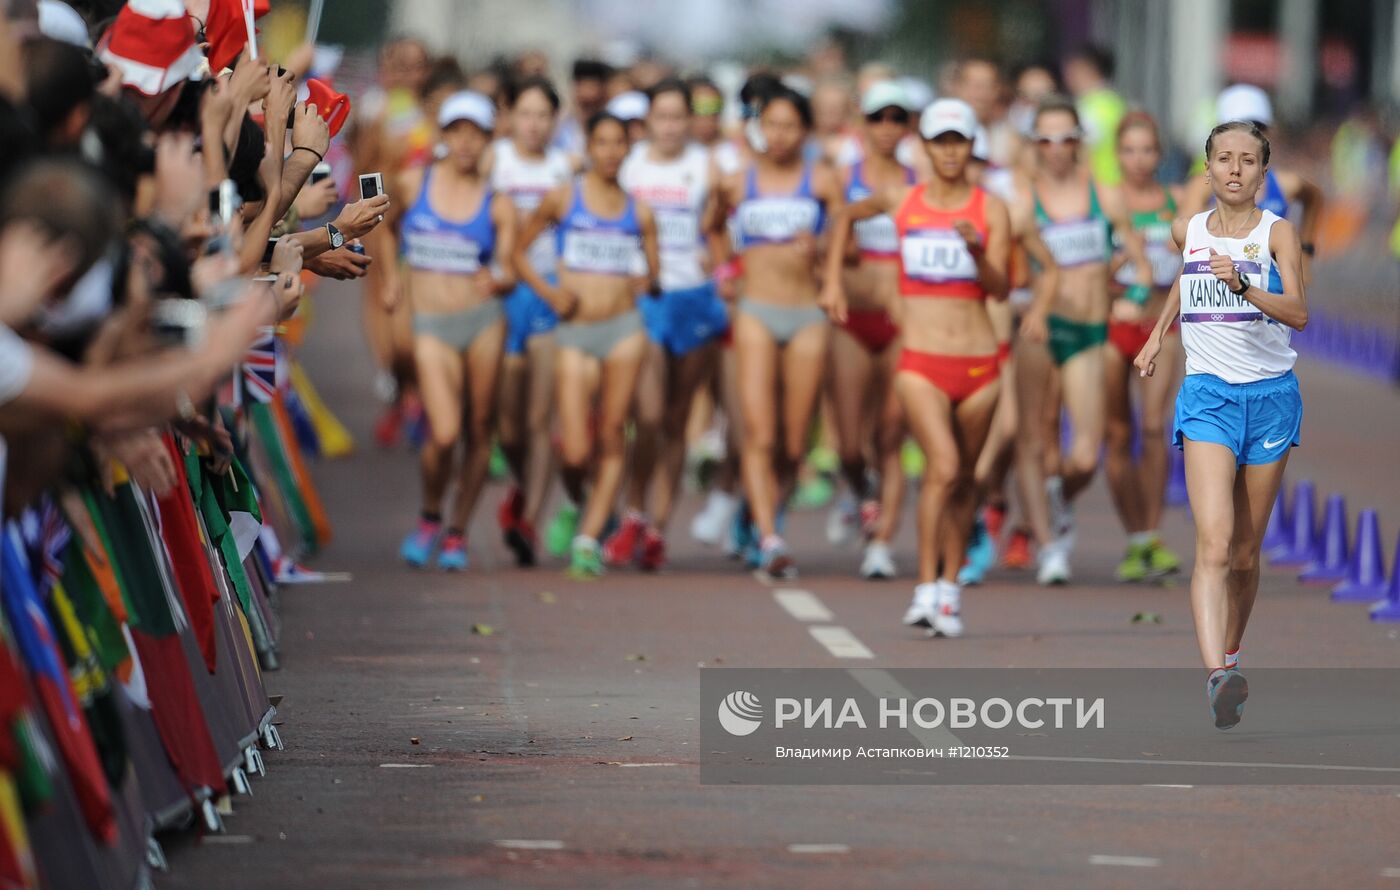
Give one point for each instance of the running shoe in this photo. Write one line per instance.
(842, 522)
(742, 537)
(814, 493)
(1054, 566)
(559, 536)
(1226, 690)
(584, 559)
(947, 618)
(652, 555)
(1061, 513)
(776, 560)
(1160, 560)
(911, 460)
(1134, 566)
(620, 547)
(878, 564)
(1232, 660)
(711, 523)
(388, 427)
(498, 469)
(923, 607)
(981, 555)
(511, 508)
(417, 548)
(523, 542)
(453, 555)
(1018, 550)
(869, 518)
(415, 421)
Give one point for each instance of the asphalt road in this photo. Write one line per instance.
(563, 748)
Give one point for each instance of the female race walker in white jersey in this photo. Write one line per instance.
(676, 178)
(1239, 412)
(526, 168)
(600, 230)
(453, 226)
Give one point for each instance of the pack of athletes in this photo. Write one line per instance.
(1240, 390)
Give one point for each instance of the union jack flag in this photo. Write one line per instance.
(261, 368)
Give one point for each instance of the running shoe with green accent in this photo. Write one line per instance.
(1160, 560)
(1134, 566)
(498, 468)
(814, 493)
(559, 536)
(911, 460)
(585, 561)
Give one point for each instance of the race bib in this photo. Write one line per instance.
(936, 256)
(777, 219)
(878, 234)
(1077, 243)
(677, 230)
(602, 253)
(436, 252)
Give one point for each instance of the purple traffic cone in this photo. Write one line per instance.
(1329, 565)
(1301, 547)
(1276, 532)
(1176, 478)
(1388, 609)
(1365, 581)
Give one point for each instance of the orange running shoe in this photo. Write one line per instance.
(1018, 550)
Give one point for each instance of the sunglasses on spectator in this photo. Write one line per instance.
(888, 116)
(1070, 138)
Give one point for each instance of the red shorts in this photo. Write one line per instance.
(957, 375)
(872, 327)
(1128, 337)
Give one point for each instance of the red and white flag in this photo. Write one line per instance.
(152, 43)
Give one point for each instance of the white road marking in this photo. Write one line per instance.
(763, 577)
(648, 764)
(818, 848)
(1129, 861)
(529, 844)
(227, 839)
(1390, 872)
(884, 686)
(802, 605)
(1168, 786)
(405, 766)
(840, 642)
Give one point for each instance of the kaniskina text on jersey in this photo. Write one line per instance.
(1204, 292)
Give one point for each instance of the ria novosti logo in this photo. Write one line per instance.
(740, 713)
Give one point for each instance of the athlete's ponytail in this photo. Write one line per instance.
(1249, 127)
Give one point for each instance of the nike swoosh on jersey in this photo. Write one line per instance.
(1197, 250)
(1272, 445)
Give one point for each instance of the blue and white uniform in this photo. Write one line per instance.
(595, 245)
(877, 236)
(778, 219)
(1240, 390)
(430, 243)
(689, 312)
(526, 182)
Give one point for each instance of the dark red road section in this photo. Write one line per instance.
(575, 720)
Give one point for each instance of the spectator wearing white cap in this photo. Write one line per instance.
(631, 108)
(1282, 189)
(450, 226)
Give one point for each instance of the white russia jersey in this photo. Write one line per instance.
(527, 182)
(1223, 334)
(676, 191)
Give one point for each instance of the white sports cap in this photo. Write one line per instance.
(948, 116)
(1244, 102)
(468, 106)
(629, 106)
(884, 94)
(62, 22)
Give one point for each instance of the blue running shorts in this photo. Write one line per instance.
(1258, 421)
(527, 314)
(682, 320)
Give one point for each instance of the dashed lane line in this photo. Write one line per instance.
(803, 605)
(840, 642)
(1127, 861)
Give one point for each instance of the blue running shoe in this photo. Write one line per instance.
(981, 556)
(453, 555)
(1226, 690)
(742, 537)
(418, 547)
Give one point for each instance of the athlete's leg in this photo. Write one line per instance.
(1125, 481)
(1034, 371)
(756, 360)
(889, 437)
(1210, 483)
(510, 419)
(647, 413)
(1082, 386)
(851, 371)
(482, 366)
(1256, 488)
(440, 371)
(685, 376)
(618, 388)
(972, 419)
(1158, 403)
(730, 476)
(802, 361)
(929, 414)
(539, 421)
(576, 377)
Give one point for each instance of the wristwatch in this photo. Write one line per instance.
(337, 236)
(1244, 285)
